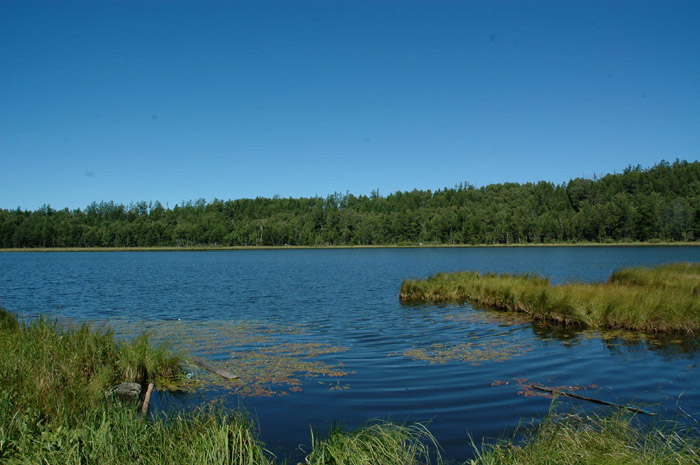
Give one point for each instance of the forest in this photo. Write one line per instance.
(657, 204)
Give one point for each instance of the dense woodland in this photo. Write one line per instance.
(661, 203)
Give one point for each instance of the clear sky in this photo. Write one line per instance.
(181, 100)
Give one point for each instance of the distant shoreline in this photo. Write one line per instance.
(331, 247)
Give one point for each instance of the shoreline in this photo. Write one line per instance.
(332, 247)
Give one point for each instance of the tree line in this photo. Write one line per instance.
(661, 203)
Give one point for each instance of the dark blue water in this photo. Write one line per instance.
(348, 298)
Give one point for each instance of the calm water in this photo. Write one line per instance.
(462, 370)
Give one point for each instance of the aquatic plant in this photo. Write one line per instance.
(268, 358)
(474, 352)
(655, 300)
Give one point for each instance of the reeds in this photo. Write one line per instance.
(660, 299)
(593, 440)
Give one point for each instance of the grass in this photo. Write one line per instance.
(661, 299)
(61, 371)
(594, 440)
(113, 435)
(674, 277)
(379, 443)
(53, 409)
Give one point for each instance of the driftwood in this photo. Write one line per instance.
(200, 362)
(146, 399)
(589, 399)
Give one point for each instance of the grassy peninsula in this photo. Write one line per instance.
(661, 299)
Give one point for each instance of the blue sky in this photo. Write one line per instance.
(181, 100)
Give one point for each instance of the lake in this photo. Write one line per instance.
(319, 335)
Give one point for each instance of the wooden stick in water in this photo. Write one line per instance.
(200, 362)
(589, 399)
(146, 399)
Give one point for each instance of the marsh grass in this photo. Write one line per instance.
(593, 440)
(378, 443)
(656, 300)
(62, 372)
(53, 409)
(681, 277)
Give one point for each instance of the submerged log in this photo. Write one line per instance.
(200, 362)
(590, 399)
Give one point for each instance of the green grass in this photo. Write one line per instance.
(673, 277)
(53, 409)
(660, 299)
(62, 371)
(379, 443)
(594, 440)
(113, 435)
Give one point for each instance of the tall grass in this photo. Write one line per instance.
(113, 435)
(681, 277)
(656, 300)
(62, 371)
(379, 443)
(53, 409)
(595, 440)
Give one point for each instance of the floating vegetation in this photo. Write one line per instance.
(473, 352)
(490, 336)
(526, 389)
(268, 358)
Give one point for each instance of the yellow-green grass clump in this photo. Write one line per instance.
(681, 277)
(594, 440)
(659, 299)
